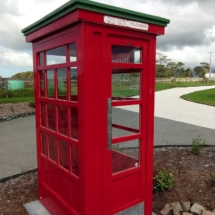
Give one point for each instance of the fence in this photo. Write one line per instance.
(7, 84)
(185, 80)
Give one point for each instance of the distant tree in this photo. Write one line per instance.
(206, 67)
(199, 71)
(161, 70)
(23, 75)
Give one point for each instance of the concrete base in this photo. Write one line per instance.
(36, 208)
(135, 210)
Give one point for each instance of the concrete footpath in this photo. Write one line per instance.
(177, 122)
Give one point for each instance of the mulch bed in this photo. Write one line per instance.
(192, 173)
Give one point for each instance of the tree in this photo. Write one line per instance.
(206, 67)
(23, 75)
(199, 71)
(161, 70)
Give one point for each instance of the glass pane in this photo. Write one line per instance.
(74, 122)
(74, 160)
(126, 54)
(52, 148)
(125, 156)
(62, 120)
(43, 114)
(125, 84)
(125, 120)
(72, 52)
(51, 116)
(50, 83)
(74, 84)
(56, 56)
(61, 77)
(63, 154)
(42, 84)
(41, 58)
(44, 144)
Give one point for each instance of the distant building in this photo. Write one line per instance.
(208, 75)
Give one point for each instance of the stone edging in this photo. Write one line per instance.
(7, 118)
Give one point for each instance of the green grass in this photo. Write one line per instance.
(164, 86)
(204, 97)
(15, 100)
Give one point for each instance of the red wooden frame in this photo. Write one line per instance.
(94, 190)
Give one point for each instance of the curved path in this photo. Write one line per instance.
(177, 122)
(169, 105)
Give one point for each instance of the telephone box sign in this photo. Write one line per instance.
(125, 23)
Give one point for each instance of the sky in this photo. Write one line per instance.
(188, 38)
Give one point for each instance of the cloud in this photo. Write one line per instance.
(15, 58)
(9, 6)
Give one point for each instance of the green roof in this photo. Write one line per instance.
(95, 7)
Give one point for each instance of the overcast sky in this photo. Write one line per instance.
(189, 37)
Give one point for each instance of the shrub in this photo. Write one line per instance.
(211, 181)
(196, 145)
(31, 104)
(164, 180)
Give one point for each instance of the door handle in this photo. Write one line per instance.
(109, 123)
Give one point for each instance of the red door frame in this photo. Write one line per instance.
(95, 38)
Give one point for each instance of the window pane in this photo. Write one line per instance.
(125, 84)
(44, 144)
(51, 116)
(74, 122)
(72, 52)
(63, 154)
(62, 120)
(74, 160)
(61, 73)
(42, 84)
(126, 54)
(56, 56)
(50, 83)
(125, 156)
(41, 58)
(74, 83)
(43, 114)
(125, 120)
(52, 148)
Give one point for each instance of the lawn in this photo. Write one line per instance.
(165, 86)
(118, 90)
(15, 100)
(204, 97)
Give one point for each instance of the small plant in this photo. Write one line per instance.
(12, 109)
(211, 181)
(196, 145)
(32, 104)
(164, 180)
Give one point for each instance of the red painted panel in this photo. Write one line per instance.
(99, 18)
(125, 191)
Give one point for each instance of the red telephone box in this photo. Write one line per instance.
(93, 64)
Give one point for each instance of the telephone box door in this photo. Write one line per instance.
(126, 94)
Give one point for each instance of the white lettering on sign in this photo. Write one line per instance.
(125, 23)
(123, 60)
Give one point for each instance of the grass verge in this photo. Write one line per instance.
(165, 86)
(15, 100)
(206, 97)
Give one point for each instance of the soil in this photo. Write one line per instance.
(11, 109)
(193, 174)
